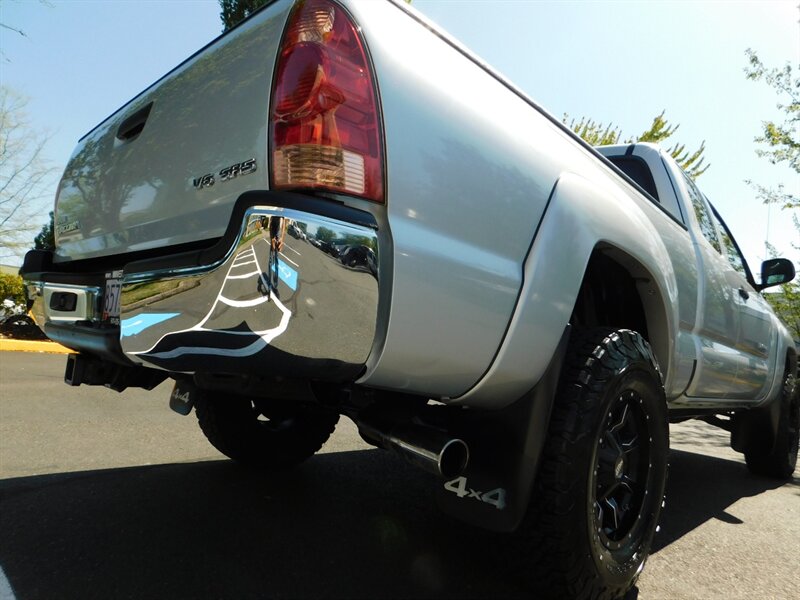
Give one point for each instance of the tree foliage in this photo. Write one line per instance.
(780, 142)
(25, 177)
(233, 11)
(46, 239)
(325, 235)
(598, 134)
(786, 302)
(11, 288)
(786, 305)
(594, 133)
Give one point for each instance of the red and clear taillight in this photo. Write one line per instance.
(324, 116)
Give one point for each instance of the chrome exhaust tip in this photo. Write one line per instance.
(453, 459)
(430, 449)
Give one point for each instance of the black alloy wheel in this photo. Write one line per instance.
(602, 476)
(622, 472)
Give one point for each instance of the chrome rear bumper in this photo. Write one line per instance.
(296, 294)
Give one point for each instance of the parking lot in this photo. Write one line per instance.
(105, 495)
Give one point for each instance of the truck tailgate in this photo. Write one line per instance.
(166, 168)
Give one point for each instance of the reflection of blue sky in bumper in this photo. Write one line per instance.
(139, 323)
(287, 274)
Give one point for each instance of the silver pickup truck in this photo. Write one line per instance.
(335, 209)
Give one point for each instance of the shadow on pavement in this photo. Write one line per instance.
(699, 434)
(344, 525)
(702, 487)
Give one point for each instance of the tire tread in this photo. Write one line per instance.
(544, 549)
(230, 427)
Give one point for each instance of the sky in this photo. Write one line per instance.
(619, 62)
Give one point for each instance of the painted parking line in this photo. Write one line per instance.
(243, 303)
(137, 324)
(245, 276)
(262, 338)
(287, 259)
(287, 274)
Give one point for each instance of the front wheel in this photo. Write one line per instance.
(602, 475)
(262, 433)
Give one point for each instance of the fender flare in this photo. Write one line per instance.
(580, 218)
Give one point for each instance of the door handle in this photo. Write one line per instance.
(133, 125)
(744, 293)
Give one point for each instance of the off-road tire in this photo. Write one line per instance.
(608, 426)
(262, 434)
(781, 461)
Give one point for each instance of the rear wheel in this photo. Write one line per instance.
(780, 460)
(601, 480)
(262, 433)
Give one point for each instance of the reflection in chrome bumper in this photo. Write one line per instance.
(85, 305)
(296, 295)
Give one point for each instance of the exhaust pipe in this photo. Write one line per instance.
(430, 449)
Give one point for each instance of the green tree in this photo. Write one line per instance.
(780, 142)
(780, 145)
(594, 133)
(786, 305)
(786, 302)
(46, 239)
(233, 11)
(597, 134)
(325, 235)
(11, 288)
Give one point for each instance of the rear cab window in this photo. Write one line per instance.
(644, 164)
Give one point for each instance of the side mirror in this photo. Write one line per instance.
(776, 271)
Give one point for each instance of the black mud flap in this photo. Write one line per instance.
(505, 447)
(181, 400)
(756, 429)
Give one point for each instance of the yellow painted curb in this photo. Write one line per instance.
(7, 345)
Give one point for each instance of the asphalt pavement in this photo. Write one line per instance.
(106, 495)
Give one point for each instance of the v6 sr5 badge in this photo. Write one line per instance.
(239, 169)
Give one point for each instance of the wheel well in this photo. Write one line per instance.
(793, 364)
(617, 291)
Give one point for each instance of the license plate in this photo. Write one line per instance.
(111, 297)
